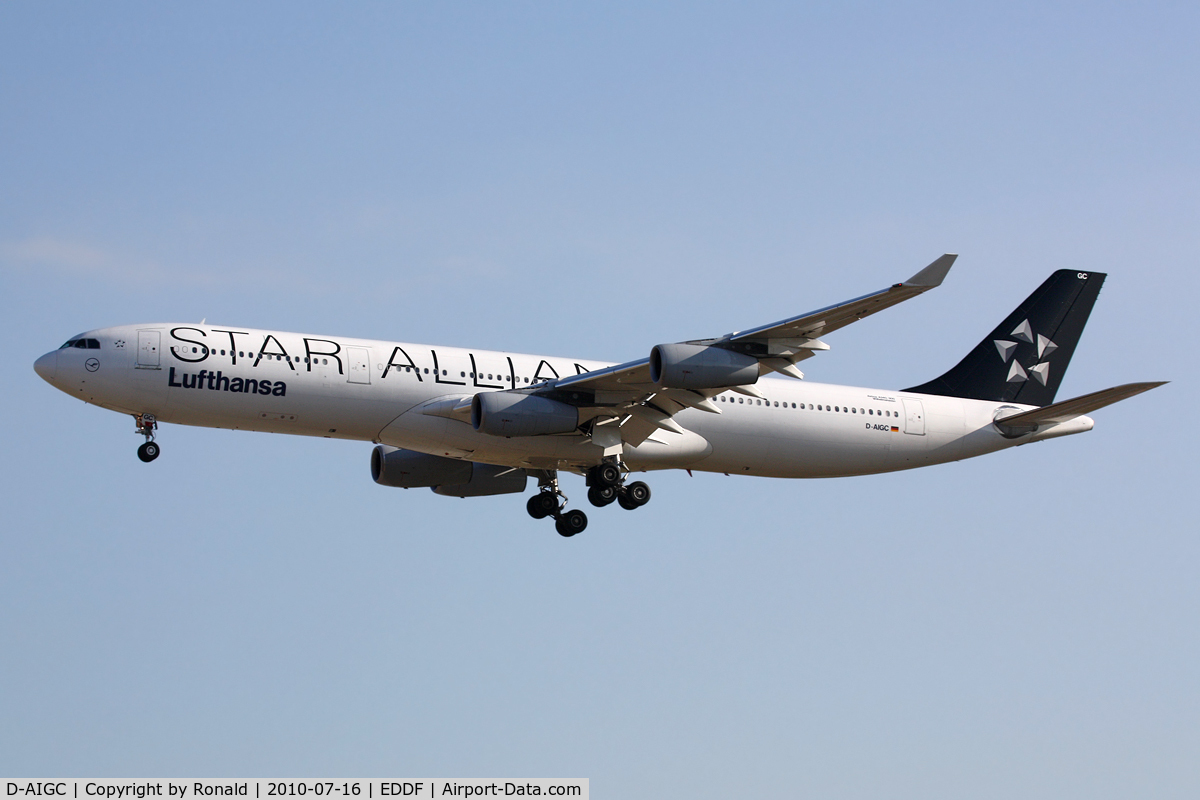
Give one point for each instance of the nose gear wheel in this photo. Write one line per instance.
(146, 425)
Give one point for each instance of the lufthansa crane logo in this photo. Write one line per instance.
(92, 364)
(1017, 373)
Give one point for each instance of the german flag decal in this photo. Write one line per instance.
(895, 429)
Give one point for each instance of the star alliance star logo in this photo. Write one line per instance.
(1017, 373)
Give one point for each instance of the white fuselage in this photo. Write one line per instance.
(389, 392)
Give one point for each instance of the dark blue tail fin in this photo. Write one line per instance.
(1025, 358)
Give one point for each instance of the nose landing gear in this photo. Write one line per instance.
(146, 425)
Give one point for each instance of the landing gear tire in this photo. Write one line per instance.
(606, 474)
(148, 452)
(635, 495)
(542, 505)
(638, 492)
(600, 496)
(571, 523)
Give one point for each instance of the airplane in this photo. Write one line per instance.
(471, 423)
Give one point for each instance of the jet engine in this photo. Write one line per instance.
(392, 466)
(487, 479)
(693, 366)
(513, 414)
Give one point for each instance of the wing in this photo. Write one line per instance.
(825, 320)
(629, 395)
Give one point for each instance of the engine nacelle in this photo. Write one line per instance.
(694, 366)
(405, 469)
(514, 414)
(487, 479)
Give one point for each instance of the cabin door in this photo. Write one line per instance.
(358, 365)
(148, 352)
(914, 416)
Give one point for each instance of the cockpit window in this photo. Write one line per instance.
(82, 344)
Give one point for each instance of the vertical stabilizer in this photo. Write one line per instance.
(1024, 359)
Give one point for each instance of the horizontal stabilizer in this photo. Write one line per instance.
(1076, 407)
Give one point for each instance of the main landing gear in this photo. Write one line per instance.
(146, 425)
(606, 484)
(551, 502)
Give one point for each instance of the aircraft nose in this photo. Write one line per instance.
(47, 366)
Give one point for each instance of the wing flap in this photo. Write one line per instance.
(631, 375)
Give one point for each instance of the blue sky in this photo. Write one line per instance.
(590, 181)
